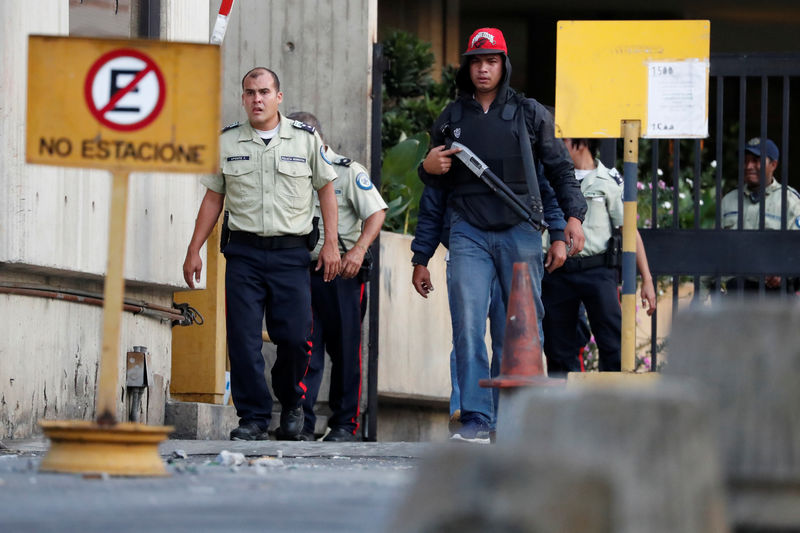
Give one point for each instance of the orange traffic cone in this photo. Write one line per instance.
(522, 351)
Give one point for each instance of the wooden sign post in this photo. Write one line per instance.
(630, 79)
(122, 106)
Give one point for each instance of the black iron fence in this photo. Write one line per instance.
(682, 184)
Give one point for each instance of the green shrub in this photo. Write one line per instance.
(412, 101)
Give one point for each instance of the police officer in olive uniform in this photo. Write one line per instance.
(338, 306)
(270, 167)
(589, 277)
(752, 207)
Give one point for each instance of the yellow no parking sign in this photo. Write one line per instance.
(123, 105)
(632, 78)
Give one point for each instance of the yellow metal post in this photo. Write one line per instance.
(113, 293)
(124, 449)
(630, 130)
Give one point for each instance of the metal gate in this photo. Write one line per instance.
(684, 182)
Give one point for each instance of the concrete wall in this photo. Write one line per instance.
(322, 53)
(415, 333)
(57, 218)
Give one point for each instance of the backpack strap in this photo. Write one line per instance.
(529, 167)
(510, 109)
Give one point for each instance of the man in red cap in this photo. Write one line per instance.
(511, 134)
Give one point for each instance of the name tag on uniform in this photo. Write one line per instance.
(238, 158)
(293, 158)
(338, 191)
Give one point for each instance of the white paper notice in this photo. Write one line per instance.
(677, 99)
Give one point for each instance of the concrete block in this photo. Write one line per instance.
(412, 423)
(477, 489)
(655, 444)
(200, 421)
(747, 357)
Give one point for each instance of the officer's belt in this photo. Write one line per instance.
(278, 242)
(577, 264)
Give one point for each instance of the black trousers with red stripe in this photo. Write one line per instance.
(562, 294)
(272, 285)
(337, 307)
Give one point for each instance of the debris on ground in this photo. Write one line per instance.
(179, 454)
(226, 458)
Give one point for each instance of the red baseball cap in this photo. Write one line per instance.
(486, 41)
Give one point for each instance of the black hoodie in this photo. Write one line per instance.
(470, 197)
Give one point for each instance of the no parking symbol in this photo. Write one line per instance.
(125, 90)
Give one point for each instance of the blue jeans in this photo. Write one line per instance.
(479, 259)
(497, 326)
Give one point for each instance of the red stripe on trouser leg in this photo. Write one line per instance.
(358, 402)
(310, 347)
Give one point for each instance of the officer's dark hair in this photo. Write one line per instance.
(591, 144)
(256, 72)
(308, 118)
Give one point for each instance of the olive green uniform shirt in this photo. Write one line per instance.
(602, 189)
(752, 208)
(269, 188)
(356, 198)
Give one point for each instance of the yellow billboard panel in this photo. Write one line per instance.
(609, 71)
(123, 105)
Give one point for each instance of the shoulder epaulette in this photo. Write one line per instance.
(343, 161)
(231, 126)
(614, 173)
(303, 126)
(794, 191)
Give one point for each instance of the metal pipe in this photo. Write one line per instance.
(160, 313)
(379, 65)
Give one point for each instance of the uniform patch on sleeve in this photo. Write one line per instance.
(293, 158)
(363, 181)
(322, 153)
(303, 126)
(797, 222)
(238, 158)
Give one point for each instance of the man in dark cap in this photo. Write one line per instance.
(511, 134)
(751, 206)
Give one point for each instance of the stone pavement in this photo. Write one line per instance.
(282, 487)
